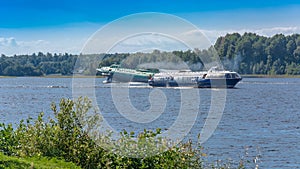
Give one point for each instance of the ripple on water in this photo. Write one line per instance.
(261, 116)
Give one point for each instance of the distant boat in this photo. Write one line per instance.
(119, 74)
(205, 79)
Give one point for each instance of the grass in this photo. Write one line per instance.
(9, 162)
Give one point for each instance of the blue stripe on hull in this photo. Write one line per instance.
(205, 83)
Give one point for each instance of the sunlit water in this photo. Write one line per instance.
(260, 119)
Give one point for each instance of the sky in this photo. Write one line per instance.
(65, 26)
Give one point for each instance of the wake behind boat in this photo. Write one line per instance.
(213, 78)
(119, 74)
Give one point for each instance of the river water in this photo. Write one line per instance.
(260, 118)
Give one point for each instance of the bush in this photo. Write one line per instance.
(62, 137)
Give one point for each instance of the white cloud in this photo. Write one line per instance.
(10, 46)
(8, 42)
(197, 38)
(60, 39)
(212, 35)
(144, 42)
(276, 30)
(147, 42)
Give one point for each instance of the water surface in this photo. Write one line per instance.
(261, 115)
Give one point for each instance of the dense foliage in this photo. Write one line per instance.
(253, 54)
(65, 137)
(247, 54)
(37, 64)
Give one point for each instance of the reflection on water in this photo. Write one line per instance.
(261, 115)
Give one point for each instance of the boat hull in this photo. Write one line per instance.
(187, 82)
(115, 73)
(126, 77)
(217, 83)
(210, 79)
(205, 83)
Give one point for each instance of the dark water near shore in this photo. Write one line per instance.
(261, 116)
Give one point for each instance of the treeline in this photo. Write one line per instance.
(37, 64)
(247, 54)
(155, 59)
(253, 54)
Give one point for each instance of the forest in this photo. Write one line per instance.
(256, 54)
(247, 54)
(37, 64)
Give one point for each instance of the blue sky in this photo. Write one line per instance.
(28, 26)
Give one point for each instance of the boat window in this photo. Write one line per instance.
(237, 75)
(227, 76)
(215, 76)
(114, 66)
